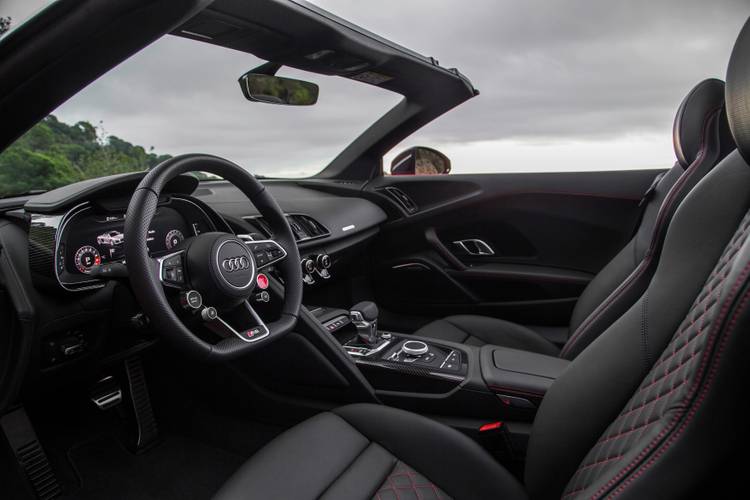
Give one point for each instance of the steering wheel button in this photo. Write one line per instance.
(173, 261)
(251, 333)
(260, 258)
(262, 281)
(209, 314)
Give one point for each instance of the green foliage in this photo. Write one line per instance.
(4, 24)
(53, 154)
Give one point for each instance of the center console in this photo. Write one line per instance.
(468, 387)
(429, 375)
(393, 361)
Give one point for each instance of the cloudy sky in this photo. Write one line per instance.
(575, 85)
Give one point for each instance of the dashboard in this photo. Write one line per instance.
(74, 229)
(56, 241)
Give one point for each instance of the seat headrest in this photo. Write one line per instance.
(738, 92)
(688, 133)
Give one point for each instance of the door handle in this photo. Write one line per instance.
(474, 246)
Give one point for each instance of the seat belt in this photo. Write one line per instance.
(646, 198)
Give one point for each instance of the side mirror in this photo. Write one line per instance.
(420, 160)
(277, 90)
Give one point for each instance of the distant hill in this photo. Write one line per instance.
(53, 154)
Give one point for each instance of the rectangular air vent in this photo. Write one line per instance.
(304, 227)
(402, 199)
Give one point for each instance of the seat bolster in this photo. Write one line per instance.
(455, 463)
(362, 451)
(364, 477)
(480, 330)
(302, 463)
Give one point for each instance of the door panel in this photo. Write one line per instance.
(542, 238)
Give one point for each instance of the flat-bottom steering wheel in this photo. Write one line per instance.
(219, 266)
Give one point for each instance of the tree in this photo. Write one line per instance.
(4, 24)
(53, 154)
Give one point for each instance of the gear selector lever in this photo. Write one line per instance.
(364, 316)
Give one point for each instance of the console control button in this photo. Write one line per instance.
(308, 266)
(428, 358)
(452, 361)
(323, 261)
(414, 348)
(336, 323)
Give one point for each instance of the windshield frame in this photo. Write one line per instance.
(66, 31)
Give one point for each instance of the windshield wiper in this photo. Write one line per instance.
(30, 192)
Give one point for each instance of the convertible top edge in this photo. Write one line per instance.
(311, 39)
(314, 40)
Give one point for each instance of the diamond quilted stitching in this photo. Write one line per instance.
(404, 483)
(667, 384)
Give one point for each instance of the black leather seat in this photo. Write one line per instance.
(365, 451)
(701, 139)
(649, 410)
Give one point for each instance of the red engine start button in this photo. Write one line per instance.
(262, 281)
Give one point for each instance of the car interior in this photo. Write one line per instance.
(357, 335)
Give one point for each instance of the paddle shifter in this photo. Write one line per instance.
(364, 316)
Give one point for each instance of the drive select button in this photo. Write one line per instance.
(255, 332)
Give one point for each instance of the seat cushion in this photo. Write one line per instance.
(480, 330)
(368, 451)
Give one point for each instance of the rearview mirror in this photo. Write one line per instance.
(420, 160)
(278, 90)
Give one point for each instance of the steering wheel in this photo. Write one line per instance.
(215, 273)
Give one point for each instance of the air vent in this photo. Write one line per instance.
(304, 227)
(402, 199)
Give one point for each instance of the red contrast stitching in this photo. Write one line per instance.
(673, 422)
(656, 235)
(727, 259)
(516, 391)
(696, 406)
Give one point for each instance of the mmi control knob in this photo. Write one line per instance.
(414, 348)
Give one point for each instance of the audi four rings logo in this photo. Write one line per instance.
(233, 264)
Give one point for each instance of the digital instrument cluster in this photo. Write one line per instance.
(90, 238)
(100, 239)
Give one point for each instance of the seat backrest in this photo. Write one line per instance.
(701, 140)
(638, 413)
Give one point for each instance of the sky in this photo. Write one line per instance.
(565, 85)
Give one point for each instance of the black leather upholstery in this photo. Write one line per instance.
(701, 139)
(651, 409)
(596, 386)
(368, 451)
(738, 96)
(689, 122)
(662, 401)
(480, 330)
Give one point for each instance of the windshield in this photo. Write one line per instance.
(182, 96)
